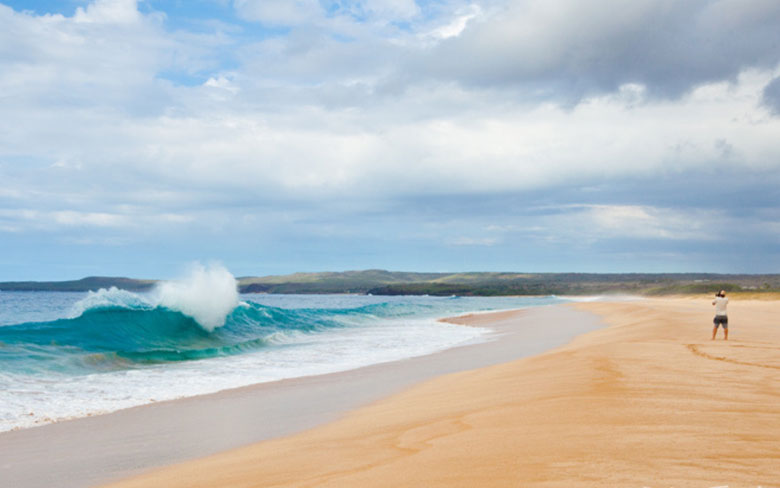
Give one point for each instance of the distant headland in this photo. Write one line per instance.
(381, 282)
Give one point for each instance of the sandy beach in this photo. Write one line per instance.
(649, 401)
(93, 450)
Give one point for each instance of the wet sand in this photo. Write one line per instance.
(649, 401)
(90, 451)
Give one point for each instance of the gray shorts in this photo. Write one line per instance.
(721, 320)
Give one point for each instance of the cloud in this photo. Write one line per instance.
(340, 16)
(109, 12)
(641, 222)
(280, 12)
(455, 26)
(107, 59)
(98, 219)
(771, 96)
(53, 221)
(101, 57)
(473, 241)
(391, 9)
(351, 119)
(568, 50)
(413, 145)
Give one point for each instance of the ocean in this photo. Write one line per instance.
(66, 355)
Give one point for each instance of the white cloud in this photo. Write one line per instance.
(456, 25)
(406, 145)
(109, 12)
(591, 224)
(473, 241)
(392, 9)
(312, 117)
(343, 17)
(56, 63)
(280, 12)
(57, 220)
(97, 219)
(647, 222)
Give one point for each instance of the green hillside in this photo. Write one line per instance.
(381, 282)
(84, 284)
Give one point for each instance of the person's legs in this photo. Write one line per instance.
(720, 321)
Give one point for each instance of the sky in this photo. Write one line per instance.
(276, 136)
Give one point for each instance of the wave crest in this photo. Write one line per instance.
(208, 294)
(109, 298)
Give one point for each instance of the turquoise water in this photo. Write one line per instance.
(65, 355)
(125, 330)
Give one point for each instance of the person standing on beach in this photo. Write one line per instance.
(721, 317)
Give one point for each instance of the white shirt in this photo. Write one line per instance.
(720, 305)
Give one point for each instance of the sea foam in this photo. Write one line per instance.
(207, 294)
(109, 298)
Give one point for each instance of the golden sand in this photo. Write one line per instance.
(649, 401)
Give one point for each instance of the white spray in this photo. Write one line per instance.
(207, 294)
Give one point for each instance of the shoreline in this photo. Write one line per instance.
(488, 335)
(91, 450)
(484, 334)
(648, 400)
